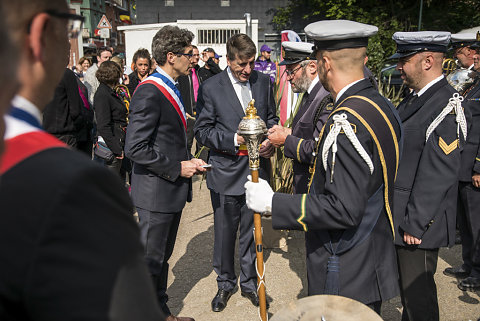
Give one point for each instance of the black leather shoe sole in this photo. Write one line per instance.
(456, 273)
(469, 284)
(253, 297)
(219, 302)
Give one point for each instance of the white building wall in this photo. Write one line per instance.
(140, 36)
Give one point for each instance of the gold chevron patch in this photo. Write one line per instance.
(447, 149)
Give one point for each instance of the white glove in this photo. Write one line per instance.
(258, 195)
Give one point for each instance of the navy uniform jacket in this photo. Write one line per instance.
(217, 123)
(300, 145)
(156, 143)
(426, 186)
(368, 271)
(471, 151)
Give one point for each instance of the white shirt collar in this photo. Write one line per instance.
(161, 71)
(430, 84)
(344, 89)
(471, 67)
(27, 106)
(314, 82)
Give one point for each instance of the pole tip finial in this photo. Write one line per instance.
(251, 111)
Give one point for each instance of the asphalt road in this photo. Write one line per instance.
(192, 282)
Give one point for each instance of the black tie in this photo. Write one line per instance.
(411, 100)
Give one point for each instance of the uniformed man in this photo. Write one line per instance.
(469, 190)
(426, 185)
(316, 105)
(346, 215)
(462, 77)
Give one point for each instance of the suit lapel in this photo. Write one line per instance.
(231, 95)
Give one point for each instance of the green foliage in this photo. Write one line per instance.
(389, 16)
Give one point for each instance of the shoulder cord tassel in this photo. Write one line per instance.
(454, 103)
(340, 123)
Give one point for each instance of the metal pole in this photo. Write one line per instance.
(248, 24)
(420, 16)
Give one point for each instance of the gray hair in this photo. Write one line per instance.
(170, 39)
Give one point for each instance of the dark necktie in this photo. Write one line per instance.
(411, 100)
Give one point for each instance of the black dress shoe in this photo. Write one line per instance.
(469, 284)
(458, 272)
(220, 300)
(253, 297)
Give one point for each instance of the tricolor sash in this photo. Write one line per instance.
(24, 140)
(171, 92)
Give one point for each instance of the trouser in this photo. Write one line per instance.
(469, 224)
(416, 268)
(230, 214)
(158, 232)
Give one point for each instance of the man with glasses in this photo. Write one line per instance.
(315, 106)
(90, 80)
(67, 231)
(156, 143)
(223, 100)
(188, 86)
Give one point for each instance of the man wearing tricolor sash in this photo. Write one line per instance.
(70, 246)
(156, 142)
(347, 214)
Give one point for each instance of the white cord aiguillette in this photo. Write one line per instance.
(454, 103)
(340, 123)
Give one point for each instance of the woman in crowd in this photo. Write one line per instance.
(83, 64)
(111, 114)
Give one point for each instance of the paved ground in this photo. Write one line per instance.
(192, 281)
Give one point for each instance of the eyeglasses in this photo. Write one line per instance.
(290, 73)
(75, 22)
(188, 55)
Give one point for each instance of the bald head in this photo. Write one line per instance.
(348, 59)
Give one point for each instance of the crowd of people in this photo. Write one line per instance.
(376, 186)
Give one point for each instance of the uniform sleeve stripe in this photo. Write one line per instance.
(302, 211)
(298, 149)
(477, 159)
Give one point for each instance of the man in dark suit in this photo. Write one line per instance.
(156, 142)
(67, 232)
(469, 189)
(299, 140)
(346, 214)
(426, 186)
(223, 100)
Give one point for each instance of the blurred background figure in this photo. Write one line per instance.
(81, 68)
(141, 64)
(103, 54)
(264, 64)
(69, 117)
(111, 114)
(211, 67)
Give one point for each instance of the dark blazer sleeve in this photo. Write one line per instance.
(341, 205)
(299, 149)
(145, 114)
(89, 262)
(439, 163)
(103, 102)
(206, 131)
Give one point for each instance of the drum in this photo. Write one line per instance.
(326, 308)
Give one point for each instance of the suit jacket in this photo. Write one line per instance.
(368, 271)
(217, 123)
(111, 115)
(471, 151)
(72, 246)
(300, 145)
(426, 186)
(156, 143)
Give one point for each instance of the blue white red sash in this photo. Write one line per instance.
(169, 90)
(23, 140)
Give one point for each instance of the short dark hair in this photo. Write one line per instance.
(170, 39)
(141, 53)
(241, 46)
(102, 49)
(109, 73)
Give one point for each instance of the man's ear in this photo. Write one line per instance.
(171, 57)
(38, 35)
(428, 61)
(228, 61)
